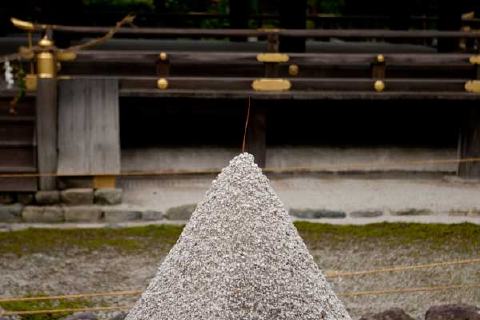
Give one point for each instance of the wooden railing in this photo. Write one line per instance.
(366, 76)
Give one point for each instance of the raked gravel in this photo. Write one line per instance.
(239, 257)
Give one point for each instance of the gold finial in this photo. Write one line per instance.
(293, 70)
(45, 42)
(380, 58)
(21, 24)
(163, 56)
(162, 84)
(379, 85)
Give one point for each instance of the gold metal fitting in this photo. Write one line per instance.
(472, 86)
(163, 56)
(45, 42)
(162, 83)
(379, 85)
(293, 70)
(104, 182)
(273, 57)
(26, 53)
(271, 85)
(66, 55)
(475, 59)
(31, 82)
(380, 58)
(46, 65)
(21, 24)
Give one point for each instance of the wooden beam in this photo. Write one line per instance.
(46, 128)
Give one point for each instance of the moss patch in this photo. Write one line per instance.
(44, 305)
(123, 239)
(464, 237)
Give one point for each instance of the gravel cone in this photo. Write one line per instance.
(239, 257)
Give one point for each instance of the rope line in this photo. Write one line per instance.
(330, 275)
(409, 290)
(351, 166)
(344, 294)
(338, 274)
(67, 310)
(72, 296)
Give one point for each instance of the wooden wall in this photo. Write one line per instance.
(17, 145)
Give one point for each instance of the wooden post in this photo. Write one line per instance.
(46, 123)
(469, 145)
(46, 115)
(256, 134)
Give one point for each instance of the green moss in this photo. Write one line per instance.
(44, 305)
(123, 239)
(463, 237)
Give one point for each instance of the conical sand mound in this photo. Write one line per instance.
(239, 258)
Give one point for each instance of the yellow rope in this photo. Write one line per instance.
(330, 275)
(72, 296)
(344, 294)
(338, 274)
(409, 290)
(11, 313)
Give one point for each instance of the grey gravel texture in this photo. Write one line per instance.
(239, 257)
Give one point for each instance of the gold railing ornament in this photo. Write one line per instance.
(473, 86)
(273, 57)
(162, 84)
(380, 58)
(475, 59)
(293, 70)
(271, 85)
(66, 55)
(379, 86)
(163, 56)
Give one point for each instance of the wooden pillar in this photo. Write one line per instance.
(46, 125)
(469, 144)
(46, 114)
(256, 133)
